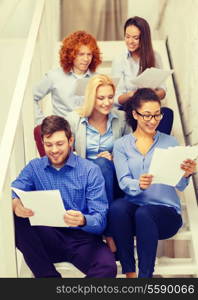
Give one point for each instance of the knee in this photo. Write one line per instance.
(168, 112)
(111, 270)
(37, 132)
(109, 267)
(118, 208)
(104, 163)
(142, 213)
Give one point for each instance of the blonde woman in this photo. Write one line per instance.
(95, 127)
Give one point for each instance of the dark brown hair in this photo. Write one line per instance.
(147, 58)
(141, 96)
(52, 124)
(70, 48)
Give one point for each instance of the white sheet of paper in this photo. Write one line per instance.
(151, 78)
(47, 206)
(81, 85)
(165, 164)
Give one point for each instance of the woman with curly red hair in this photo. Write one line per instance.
(79, 58)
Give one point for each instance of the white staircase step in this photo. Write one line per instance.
(169, 267)
(184, 235)
(68, 270)
(175, 266)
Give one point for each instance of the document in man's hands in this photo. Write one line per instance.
(47, 206)
(165, 164)
(151, 78)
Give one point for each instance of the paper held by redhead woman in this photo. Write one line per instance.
(47, 206)
(81, 85)
(165, 164)
(151, 78)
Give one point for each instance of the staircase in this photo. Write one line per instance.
(177, 256)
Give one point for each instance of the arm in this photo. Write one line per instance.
(24, 182)
(161, 90)
(20, 210)
(117, 70)
(97, 204)
(161, 93)
(43, 88)
(189, 168)
(125, 97)
(126, 181)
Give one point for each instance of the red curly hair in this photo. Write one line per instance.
(71, 45)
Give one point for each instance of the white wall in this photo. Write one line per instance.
(15, 21)
(15, 18)
(148, 9)
(180, 25)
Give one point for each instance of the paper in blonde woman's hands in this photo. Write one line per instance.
(81, 85)
(165, 164)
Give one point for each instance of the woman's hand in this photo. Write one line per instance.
(160, 92)
(145, 181)
(20, 210)
(106, 155)
(189, 166)
(125, 97)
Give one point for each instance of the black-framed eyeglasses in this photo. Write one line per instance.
(157, 117)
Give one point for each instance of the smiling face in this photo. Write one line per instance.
(147, 108)
(132, 38)
(57, 147)
(82, 61)
(104, 99)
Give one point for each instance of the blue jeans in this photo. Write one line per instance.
(149, 223)
(111, 184)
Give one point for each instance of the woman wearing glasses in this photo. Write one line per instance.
(150, 212)
(138, 56)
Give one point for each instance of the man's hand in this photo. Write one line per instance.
(20, 210)
(74, 218)
(189, 166)
(145, 181)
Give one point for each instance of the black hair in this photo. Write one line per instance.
(54, 123)
(140, 96)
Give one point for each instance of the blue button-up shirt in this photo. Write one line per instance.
(96, 142)
(130, 164)
(80, 183)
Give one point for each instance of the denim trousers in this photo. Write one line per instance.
(112, 188)
(148, 223)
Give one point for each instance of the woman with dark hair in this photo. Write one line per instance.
(138, 57)
(79, 58)
(149, 212)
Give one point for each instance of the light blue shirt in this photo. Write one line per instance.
(130, 164)
(80, 183)
(62, 88)
(127, 69)
(95, 142)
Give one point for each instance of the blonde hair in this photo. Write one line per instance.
(90, 93)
